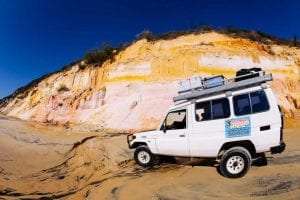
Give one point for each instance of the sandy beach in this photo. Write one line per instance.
(48, 162)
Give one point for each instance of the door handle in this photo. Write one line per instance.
(182, 135)
(265, 128)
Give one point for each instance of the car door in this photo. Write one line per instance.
(173, 139)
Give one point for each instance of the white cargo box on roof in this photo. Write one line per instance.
(193, 83)
(199, 83)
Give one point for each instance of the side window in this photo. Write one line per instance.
(220, 108)
(176, 120)
(241, 104)
(250, 103)
(203, 111)
(215, 109)
(259, 102)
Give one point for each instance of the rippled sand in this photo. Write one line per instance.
(48, 162)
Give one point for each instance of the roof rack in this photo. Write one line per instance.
(229, 85)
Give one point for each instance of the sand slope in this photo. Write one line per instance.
(53, 163)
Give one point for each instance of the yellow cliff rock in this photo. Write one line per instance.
(134, 91)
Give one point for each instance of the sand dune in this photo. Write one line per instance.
(47, 162)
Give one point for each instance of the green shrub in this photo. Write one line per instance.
(100, 56)
(146, 34)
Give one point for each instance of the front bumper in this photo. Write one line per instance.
(278, 149)
(130, 137)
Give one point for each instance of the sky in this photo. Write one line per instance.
(41, 36)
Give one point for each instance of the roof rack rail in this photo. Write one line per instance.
(229, 85)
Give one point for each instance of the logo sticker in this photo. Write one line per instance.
(238, 127)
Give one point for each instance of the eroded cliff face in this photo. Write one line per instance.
(133, 92)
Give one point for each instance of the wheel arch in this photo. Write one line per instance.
(247, 144)
(137, 144)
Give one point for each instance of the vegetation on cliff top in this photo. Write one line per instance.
(107, 52)
(97, 57)
(253, 35)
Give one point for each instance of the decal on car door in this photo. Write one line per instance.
(238, 127)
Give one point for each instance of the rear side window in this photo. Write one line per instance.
(259, 102)
(241, 104)
(253, 102)
(220, 108)
(215, 109)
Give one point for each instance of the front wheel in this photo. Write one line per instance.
(143, 156)
(235, 163)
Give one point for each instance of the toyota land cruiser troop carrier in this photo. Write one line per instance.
(232, 121)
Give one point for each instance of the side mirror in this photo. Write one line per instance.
(163, 128)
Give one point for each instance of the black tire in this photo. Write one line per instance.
(143, 156)
(235, 163)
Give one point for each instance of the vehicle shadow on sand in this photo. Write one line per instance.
(207, 162)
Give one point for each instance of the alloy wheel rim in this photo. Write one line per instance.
(144, 157)
(235, 164)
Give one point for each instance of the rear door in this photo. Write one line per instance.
(173, 139)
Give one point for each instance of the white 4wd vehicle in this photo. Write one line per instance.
(233, 123)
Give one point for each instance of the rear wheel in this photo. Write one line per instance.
(143, 156)
(235, 163)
